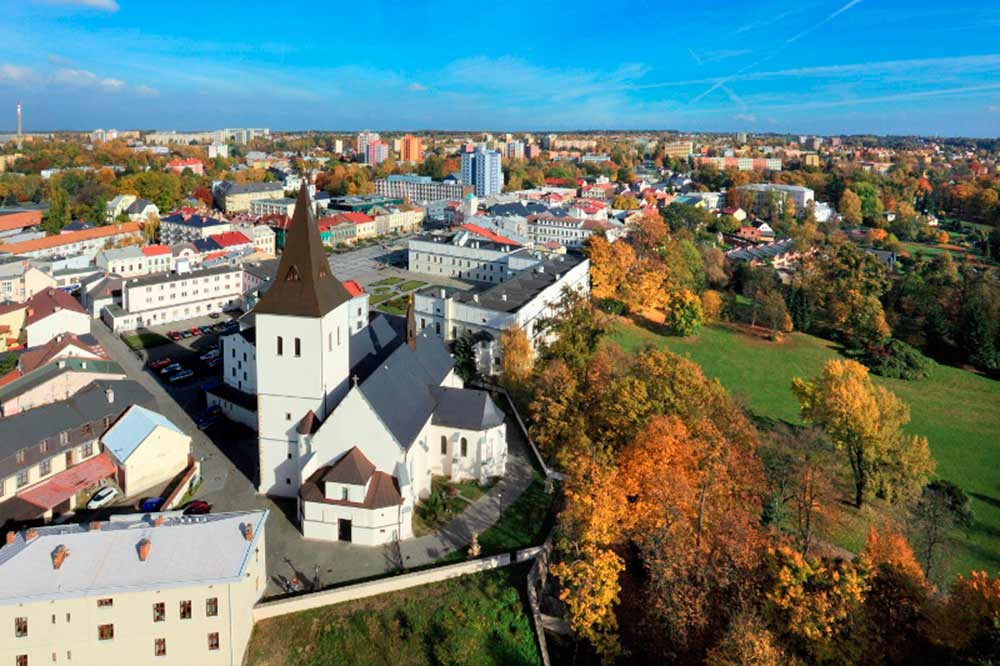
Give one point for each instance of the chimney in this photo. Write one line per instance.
(247, 530)
(30, 534)
(95, 526)
(59, 556)
(503, 297)
(158, 521)
(109, 393)
(444, 292)
(475, 298)
(143, 548)
(11, 537)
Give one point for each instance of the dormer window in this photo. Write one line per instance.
(344, 494)
(281, 346)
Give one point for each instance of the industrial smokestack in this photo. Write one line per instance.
(19, 126)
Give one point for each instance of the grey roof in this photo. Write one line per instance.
(229, 188)
(370, 346)
(465, 408)
(185, 551)
(138, 206)
(54, 369)
(762, 252)
(127, 252)
(165, 278)
(522, 208)
(400, 389)
(88, 406)
(511, 295)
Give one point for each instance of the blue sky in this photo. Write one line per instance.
(818, 66)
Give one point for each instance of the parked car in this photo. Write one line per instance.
(170, 368)
(162, 363)
(214, 315)
(183, 374)
(197, 508)
(218, 328)
(195, 331)
(213, 362)
(208, 416)
(205, 329)
(174, 335)
(103, 497)
(185, 334)
(210, 354)
(151, 504)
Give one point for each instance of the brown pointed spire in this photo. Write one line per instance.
(303, 285)
(411, 325)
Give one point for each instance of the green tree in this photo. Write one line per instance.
(58, 214)
(465, 357)
(871, 204)
(850, 208)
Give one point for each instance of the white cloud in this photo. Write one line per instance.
(416, 86)
(146, 91)
(69, 76)
(103, 5)
(15, 73)
(112, 84)
(745, 117)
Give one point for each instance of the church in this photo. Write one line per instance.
(355, 424)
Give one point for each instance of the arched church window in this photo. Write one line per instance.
(465, 447)
(444, 445)
(281, 346)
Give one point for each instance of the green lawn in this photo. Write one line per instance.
(385, 282)
(377, 298)
(396, 306)
(410, 285)
(138, 341)
(958, 411)
(477, 619)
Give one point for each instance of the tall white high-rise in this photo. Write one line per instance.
(364, 138)
(483, 170)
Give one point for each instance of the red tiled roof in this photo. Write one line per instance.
(38, 356)
(353, 288)
(28, 218)
(68, 483)
(230, 239)
(59, 240)
(44, 303)
(356, 218)
(183, 163)
(154, 250)
(11, 376)
(486, 233)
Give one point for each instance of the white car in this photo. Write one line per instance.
(104, 496)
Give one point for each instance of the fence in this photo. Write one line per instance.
(269, 609)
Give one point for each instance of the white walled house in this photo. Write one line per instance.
(148, 449)
(138, 589)
(350, 425)
(165, 298)
(51, 313)
(525, 300)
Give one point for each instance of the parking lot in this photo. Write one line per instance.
(368, 265)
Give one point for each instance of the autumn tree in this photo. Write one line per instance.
(850, 208)
(683, 313)
(517, 358)
(814, 603)
(576, 328)
(625, 202)
(694, 513)
(748, 642)
(865, 422)
(711, 305)
(610, 264)
(647, 287)
(969, 619)
(58, 214)
(892, 632)
(557, 425)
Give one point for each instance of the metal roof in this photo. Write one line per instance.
(132, 429)
(185, 551)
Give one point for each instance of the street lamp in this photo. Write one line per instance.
(500, 502)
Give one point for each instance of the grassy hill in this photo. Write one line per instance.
(476, 619)
(958, 412)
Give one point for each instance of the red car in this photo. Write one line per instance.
(197, 508)
(174, 335)
(195, 330)
(162, 363)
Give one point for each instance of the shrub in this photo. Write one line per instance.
(897, 360)
(610, 305)
(684, 315)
